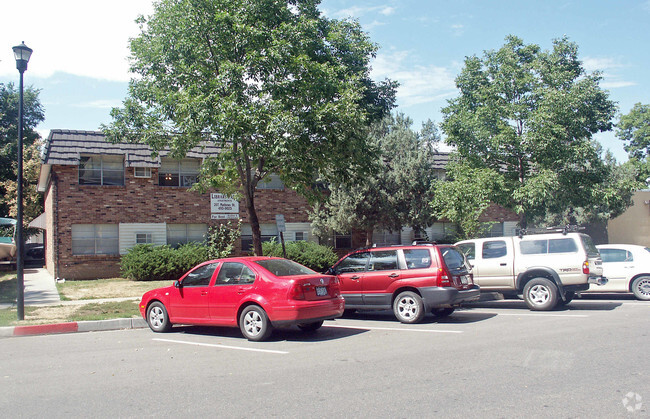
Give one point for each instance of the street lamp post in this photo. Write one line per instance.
(22, 53)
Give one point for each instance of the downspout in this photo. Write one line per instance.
(55, 224)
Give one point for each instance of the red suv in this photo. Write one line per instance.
(411, 280)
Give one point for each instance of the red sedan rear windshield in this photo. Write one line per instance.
(284, 267)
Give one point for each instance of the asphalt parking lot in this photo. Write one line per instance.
(495, 359)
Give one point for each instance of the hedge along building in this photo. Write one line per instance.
(103, 198)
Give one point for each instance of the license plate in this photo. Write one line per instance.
(320, 291)
(464, 280)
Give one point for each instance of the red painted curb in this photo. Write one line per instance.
(45, 329)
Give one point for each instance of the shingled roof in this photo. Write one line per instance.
(65, 147)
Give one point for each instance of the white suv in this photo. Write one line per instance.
(548, 269)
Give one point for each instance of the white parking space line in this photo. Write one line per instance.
(394, 329)
(269, 351)
(531, 314)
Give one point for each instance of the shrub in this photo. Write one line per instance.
(145, 262)
(310, 254)
(221, 238)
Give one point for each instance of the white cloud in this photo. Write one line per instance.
(609, 67)
(418, 83)
(81, 37)
(100, 104)
(457, 29)
(592, 64)
(359, 11)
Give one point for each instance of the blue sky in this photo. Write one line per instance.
(422, 45)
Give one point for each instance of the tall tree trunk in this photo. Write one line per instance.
(369, 232)
(254, 222)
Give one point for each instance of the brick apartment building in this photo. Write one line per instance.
(102, 199)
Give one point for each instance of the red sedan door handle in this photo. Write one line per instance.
(241, 290)
(204, 293)
(355, 278)
(393, 275)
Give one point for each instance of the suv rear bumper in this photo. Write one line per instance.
(433, 297)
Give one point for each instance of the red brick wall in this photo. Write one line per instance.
(140, 200)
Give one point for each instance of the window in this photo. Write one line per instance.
(101, 170)
(453, 258)
(383, 260)
(235, 273)
(284, 267)
(494, 249)
(616, 255)
(178, 234)
(95, 239)
(200, 277)
(268, 231)
(342, 241)
(175, 172)
(468, 249)
(353, 263)
(386, 237)
(143, 238)
(535, 247)
(562, 246)
(142, 172)
(271, 181)
(417, 258)
(300, 235)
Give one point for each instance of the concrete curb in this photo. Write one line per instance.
(72, 327)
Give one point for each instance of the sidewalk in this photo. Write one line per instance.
(40, 290)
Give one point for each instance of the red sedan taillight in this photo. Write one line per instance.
(297, 292)
(335, 287)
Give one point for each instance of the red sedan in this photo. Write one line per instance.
(254, 293)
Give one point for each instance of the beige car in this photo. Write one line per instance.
(547, 269)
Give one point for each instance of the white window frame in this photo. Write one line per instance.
(95, 239)
(146, 172)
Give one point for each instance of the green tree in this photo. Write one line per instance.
(530, 115)
(463, 196)
(396, 193)
(278, 87)
(634, 129)
(32, 199)
(32, 116)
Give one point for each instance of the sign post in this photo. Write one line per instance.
(279, 221)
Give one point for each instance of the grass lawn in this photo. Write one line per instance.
(78, 290)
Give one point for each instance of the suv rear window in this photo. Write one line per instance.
(588, 245)
(454, 259)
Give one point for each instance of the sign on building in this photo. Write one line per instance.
(223, 207)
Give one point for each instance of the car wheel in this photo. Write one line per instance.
(442, 312)
(408, 307)
(641, 288)
(540, 294)
(568, 297)
(254, 323)
(157, 317)
(310, 327)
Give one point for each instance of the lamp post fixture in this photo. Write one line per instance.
(22, 53)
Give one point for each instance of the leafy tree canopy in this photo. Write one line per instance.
(396, 193)
(530, 115)
(634, 129)
(32, 116)
(463, 196)
(278, 87)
